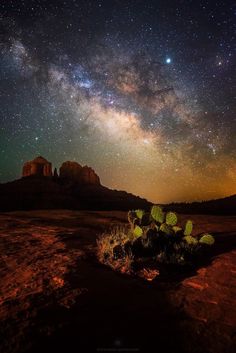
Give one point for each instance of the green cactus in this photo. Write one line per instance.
(165, 228)
(139, 213)
(207, 239)
(138, 232)
(157, 214)
(190, 240)
(188, 227)
(171, 219)
(177, 229)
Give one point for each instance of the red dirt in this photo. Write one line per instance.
(55, 296)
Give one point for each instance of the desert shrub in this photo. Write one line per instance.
(112, 249)
(154, 235)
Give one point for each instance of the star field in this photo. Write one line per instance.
(144, 92)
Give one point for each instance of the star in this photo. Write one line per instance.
(131, 82)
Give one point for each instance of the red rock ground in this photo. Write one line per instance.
(55, 296)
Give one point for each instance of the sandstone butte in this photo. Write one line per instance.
(68, 170)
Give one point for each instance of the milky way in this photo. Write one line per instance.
(143, 93)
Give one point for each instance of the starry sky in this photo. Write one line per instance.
(142, 91)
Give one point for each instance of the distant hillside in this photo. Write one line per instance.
(75, 187)
(226, 205)
(40, 192)
(53, 192)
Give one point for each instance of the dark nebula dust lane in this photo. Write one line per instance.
(142, 91)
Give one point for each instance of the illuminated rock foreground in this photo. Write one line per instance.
(55, 297)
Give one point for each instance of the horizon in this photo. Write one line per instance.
(83, 165)
(141, 92)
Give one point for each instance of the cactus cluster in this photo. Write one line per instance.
(160, 232)
(155, 235)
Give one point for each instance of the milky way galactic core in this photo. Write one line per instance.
(144, 92)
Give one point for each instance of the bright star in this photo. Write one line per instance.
(168, 60)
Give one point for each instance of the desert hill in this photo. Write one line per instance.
(79, 187)
(35, 192)
(223, 206)
(75, 187)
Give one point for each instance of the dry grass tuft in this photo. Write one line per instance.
(118, 236)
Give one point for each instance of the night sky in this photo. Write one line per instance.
(142, 91)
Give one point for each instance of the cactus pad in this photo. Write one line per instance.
(190, 240)
(207, 239)
(165, 228)
(171, 219)
(139, 213)
(138, 232)
(177, 229)
(157, 214)
(188, 227)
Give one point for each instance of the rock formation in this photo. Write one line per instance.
(71, 171)
(38, 166)
(88, 176)
(82, 175)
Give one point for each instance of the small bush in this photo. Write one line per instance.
(112, 249)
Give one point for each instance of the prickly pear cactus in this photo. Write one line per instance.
(138, 232)
(171, 218)
(165, 228)
(157, 214)
(207, 239)
(177, 229)
(190, 240)
(188, 227)
(139, 213)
